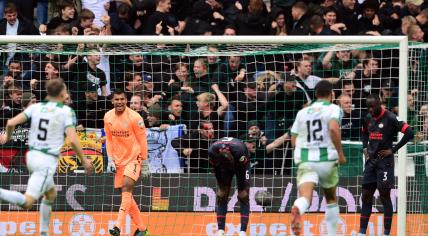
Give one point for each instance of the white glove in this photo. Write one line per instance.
(111, 167)
(145, 169)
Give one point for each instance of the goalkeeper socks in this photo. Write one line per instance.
(331, 218)
(45, 215)
(387, 219)
(366, 210)
(221, 213)
(302, 203)
(245, 213)
(124, 208)
(134, 212)
(13, 197)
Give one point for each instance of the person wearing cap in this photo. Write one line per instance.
(28, 99)
(388, 97)
(230, 157)
(154, 116)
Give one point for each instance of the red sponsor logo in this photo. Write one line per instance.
(376, 136)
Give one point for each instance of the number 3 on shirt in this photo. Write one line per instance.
(384, 176)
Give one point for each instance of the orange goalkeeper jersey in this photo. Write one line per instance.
(126, 136)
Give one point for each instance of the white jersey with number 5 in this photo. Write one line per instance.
(48, 123)
(313, 141)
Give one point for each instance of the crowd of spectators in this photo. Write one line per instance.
(254, 98)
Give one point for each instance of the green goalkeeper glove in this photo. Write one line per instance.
(145, 169)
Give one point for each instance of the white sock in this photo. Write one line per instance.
(302, 203)
(45, 215)
(331, 218)
(242, 233)
(13, 197)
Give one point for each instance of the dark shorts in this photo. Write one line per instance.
(380, 171)
(224, 176)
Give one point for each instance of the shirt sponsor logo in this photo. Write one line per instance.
(120, 133)
(376, 136)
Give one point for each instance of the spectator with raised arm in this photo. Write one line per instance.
(278, 25)
(347, 13)
(160, 21)
(337, 65)
(67, 13)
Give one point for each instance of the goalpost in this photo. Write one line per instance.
(186, 49)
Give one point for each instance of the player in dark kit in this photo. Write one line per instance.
(229, 157)
(379, 129)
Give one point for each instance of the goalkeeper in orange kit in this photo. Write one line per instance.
(127, 146)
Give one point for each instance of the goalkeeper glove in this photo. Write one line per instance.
(111, 167)
(145, 169)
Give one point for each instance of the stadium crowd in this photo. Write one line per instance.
(254, 98)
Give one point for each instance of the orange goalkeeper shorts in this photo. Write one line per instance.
(131, 170)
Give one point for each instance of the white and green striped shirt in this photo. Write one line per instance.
(313, 141)
(48, 123)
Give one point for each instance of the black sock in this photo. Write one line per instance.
(387, 215)
(245, 214)
(221, 211)
(366, 211)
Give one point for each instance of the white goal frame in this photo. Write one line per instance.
(401, 41)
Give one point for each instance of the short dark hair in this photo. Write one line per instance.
(65, 3)
(347, 82)
(374, 96)
(54, 87)
(323, 89)
(203, 123)
(329, 9)
(230, 27)
(118, 92)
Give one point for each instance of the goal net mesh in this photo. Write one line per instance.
(191, 95)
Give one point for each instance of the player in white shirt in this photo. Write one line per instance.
(316, 138)
(50, 120)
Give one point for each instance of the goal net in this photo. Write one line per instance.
(191, 93)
